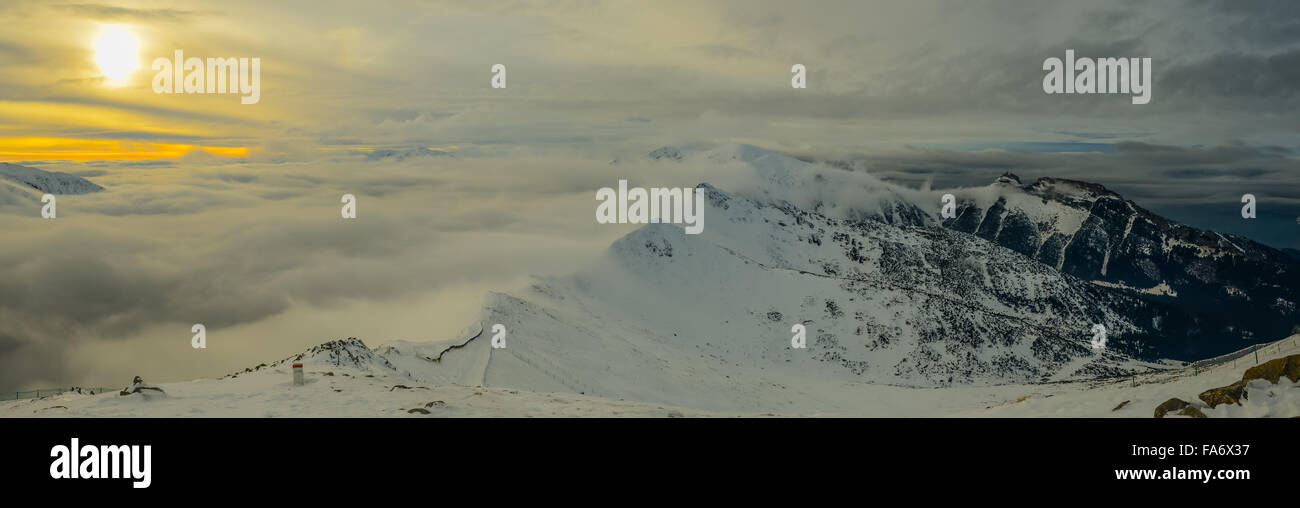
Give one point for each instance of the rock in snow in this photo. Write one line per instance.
(143, 389)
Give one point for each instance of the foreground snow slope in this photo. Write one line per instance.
(1146, 391)
(345, 379)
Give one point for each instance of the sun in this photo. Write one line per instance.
(116, 52)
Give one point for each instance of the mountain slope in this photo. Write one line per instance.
(704, 320)
(47, 181)
(1235, 289)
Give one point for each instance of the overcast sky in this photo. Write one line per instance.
(882, 74)
(226, 214)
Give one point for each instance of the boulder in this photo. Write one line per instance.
(1170, 405)
(1274, 369)
(1191, 411)
(1231, 394)
(1270, 371)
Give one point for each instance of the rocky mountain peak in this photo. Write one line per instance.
(1008, 178)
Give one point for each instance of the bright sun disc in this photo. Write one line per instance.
(116, 52)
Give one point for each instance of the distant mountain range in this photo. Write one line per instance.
(47, 181)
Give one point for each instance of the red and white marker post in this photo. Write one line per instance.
(297, 374)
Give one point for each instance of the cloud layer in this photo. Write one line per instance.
(111, 287)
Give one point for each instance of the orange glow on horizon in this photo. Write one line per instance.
(75, 149)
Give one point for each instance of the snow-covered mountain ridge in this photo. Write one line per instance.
(47, 181)
(705, 320)
(886, 296)
(1235, 290)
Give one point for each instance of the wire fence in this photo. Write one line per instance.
(1248, 356)
(36, 394)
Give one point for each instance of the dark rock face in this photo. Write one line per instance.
(1234, 291)
(350, 352)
